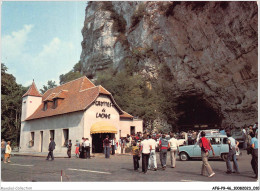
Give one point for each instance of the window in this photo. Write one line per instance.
(45, 106)
(215, 140)
(55, 103)
(31, 143)
(65, 137)
(52, 133)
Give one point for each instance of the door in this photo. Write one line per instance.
(132, 132)
(216, 144)
(41, 140)
(196, 150)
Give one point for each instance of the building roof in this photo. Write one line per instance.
(33, 91)
(77, 95)
(126, 115)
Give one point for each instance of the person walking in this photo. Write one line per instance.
(174, 145)
(3, 146)
(233, 145)
(136, 156)
(69, 145)
(152, 159)
(51, 148)
(106, 146)
(163, 146)
(145, 150)
(254, 161)
(87, 148)
(205, 149)
(8, 151)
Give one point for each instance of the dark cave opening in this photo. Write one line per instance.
(196, 113)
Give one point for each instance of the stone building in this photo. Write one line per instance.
(71, 111)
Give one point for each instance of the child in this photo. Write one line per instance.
(136, 156)
(8, 151)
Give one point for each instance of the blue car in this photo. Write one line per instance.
(218, 142)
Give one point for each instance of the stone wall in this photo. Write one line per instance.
(209, 48)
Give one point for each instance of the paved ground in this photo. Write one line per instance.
(118, 168)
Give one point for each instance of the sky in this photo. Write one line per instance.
(41, 40)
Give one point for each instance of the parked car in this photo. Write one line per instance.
(218, 142)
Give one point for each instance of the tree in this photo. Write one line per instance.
(50, 84)
(11, 106)
(72, 75)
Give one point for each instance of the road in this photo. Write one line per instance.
(118, 168)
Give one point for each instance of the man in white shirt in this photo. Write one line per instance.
(152, 158)
(174, 149)
(87, 146)
(145, 150)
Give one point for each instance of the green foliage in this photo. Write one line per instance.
(50, 84)
(73, 74)
(139, 97)
(11, 106)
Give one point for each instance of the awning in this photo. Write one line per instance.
(103, 127)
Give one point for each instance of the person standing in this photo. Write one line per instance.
(254, 161)
(145, 150)
(113, 146)
(8, 151)
(69, 145)
(51, 148)
(233, 145)
(77, 148)
(106, 146)
(152, 158)
(87, 148)
(81, 155)
(163, 146)
(174, 150)
(136, 156)
(3, 146)
(205, 149)
(124, 145)
(119, 146)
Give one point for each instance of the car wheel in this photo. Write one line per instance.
(224, 157)
(184, 156)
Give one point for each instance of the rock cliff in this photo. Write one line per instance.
(208, 49)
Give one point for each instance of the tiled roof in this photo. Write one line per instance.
(77, 95)
(126, 115)
(32, 91)
(103, 90)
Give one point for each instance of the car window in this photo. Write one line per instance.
(215, 140)
(225, 140)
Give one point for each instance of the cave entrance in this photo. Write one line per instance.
(196, 114)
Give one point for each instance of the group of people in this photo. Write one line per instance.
(6, 151)
(147, 151)
(206, 147)
(82, 148)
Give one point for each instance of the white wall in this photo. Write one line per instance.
(125, 126)
(91, 112)
(29, 106)
(72, 121)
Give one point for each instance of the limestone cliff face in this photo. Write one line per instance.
(209, 49)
